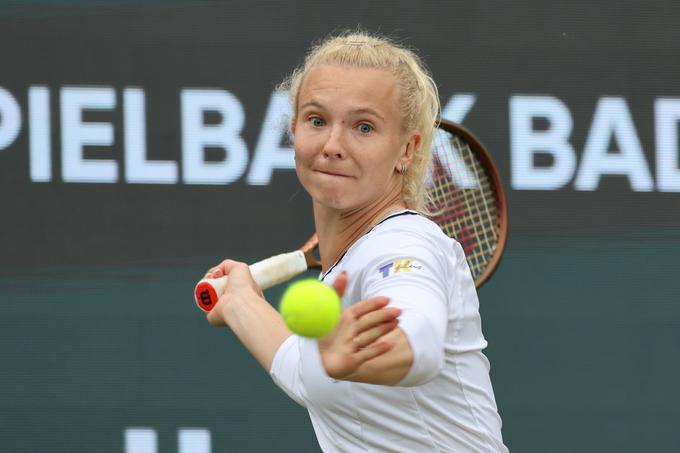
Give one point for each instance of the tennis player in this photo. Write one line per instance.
(404, 370)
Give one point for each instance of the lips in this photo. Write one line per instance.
(332, 173)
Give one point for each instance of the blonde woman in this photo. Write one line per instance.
(404, 369)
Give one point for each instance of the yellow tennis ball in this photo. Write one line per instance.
(310, 308)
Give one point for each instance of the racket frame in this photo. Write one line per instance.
(489, 165)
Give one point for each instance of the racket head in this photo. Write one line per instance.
(467, 198)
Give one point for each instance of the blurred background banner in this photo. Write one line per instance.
(143, 142)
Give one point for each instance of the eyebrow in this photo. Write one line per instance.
(369, 111)
(364, 110)
(310, 104)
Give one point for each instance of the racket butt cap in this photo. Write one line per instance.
(205, 296)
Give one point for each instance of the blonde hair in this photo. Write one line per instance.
(418, 97)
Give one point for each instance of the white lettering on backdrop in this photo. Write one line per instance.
(612, 146)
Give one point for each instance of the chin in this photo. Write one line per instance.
(332, 200)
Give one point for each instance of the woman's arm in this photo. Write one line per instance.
(244, 310)
(262, 331)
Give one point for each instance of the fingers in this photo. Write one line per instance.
(370, 335)
(215, 318)
(372, 312)
(222, 269)
(370, 321)
(340, 283)
(366, 306)
(377, 317)
(373, 351)
(374, 325)
(366, 331)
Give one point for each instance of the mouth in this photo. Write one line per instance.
(333, 173)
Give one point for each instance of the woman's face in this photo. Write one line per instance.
(348, 136)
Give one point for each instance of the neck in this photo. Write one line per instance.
(338, 230)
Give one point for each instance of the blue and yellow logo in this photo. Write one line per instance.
(399, 266)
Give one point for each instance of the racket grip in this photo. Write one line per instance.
(266, 273)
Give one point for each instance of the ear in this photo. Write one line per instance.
(293, 122)
(410, 148)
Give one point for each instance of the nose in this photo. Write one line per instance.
(334, 146)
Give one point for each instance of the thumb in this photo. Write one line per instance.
(340, 283)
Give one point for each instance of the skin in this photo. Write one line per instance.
(349, 146)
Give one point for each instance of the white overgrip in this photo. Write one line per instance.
(266, 273)
(278, 269)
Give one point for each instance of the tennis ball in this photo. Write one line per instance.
(310, 308)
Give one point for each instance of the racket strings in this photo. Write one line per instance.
(464, 199)
(483, 218)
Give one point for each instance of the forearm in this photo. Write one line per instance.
(257, 325)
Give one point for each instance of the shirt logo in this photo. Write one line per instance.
(399, 266)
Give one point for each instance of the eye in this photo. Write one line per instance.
(365, 128)
(316, 121)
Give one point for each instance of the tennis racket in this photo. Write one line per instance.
(466, 195)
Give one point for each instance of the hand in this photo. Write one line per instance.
(359, 335)
(239, 284)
